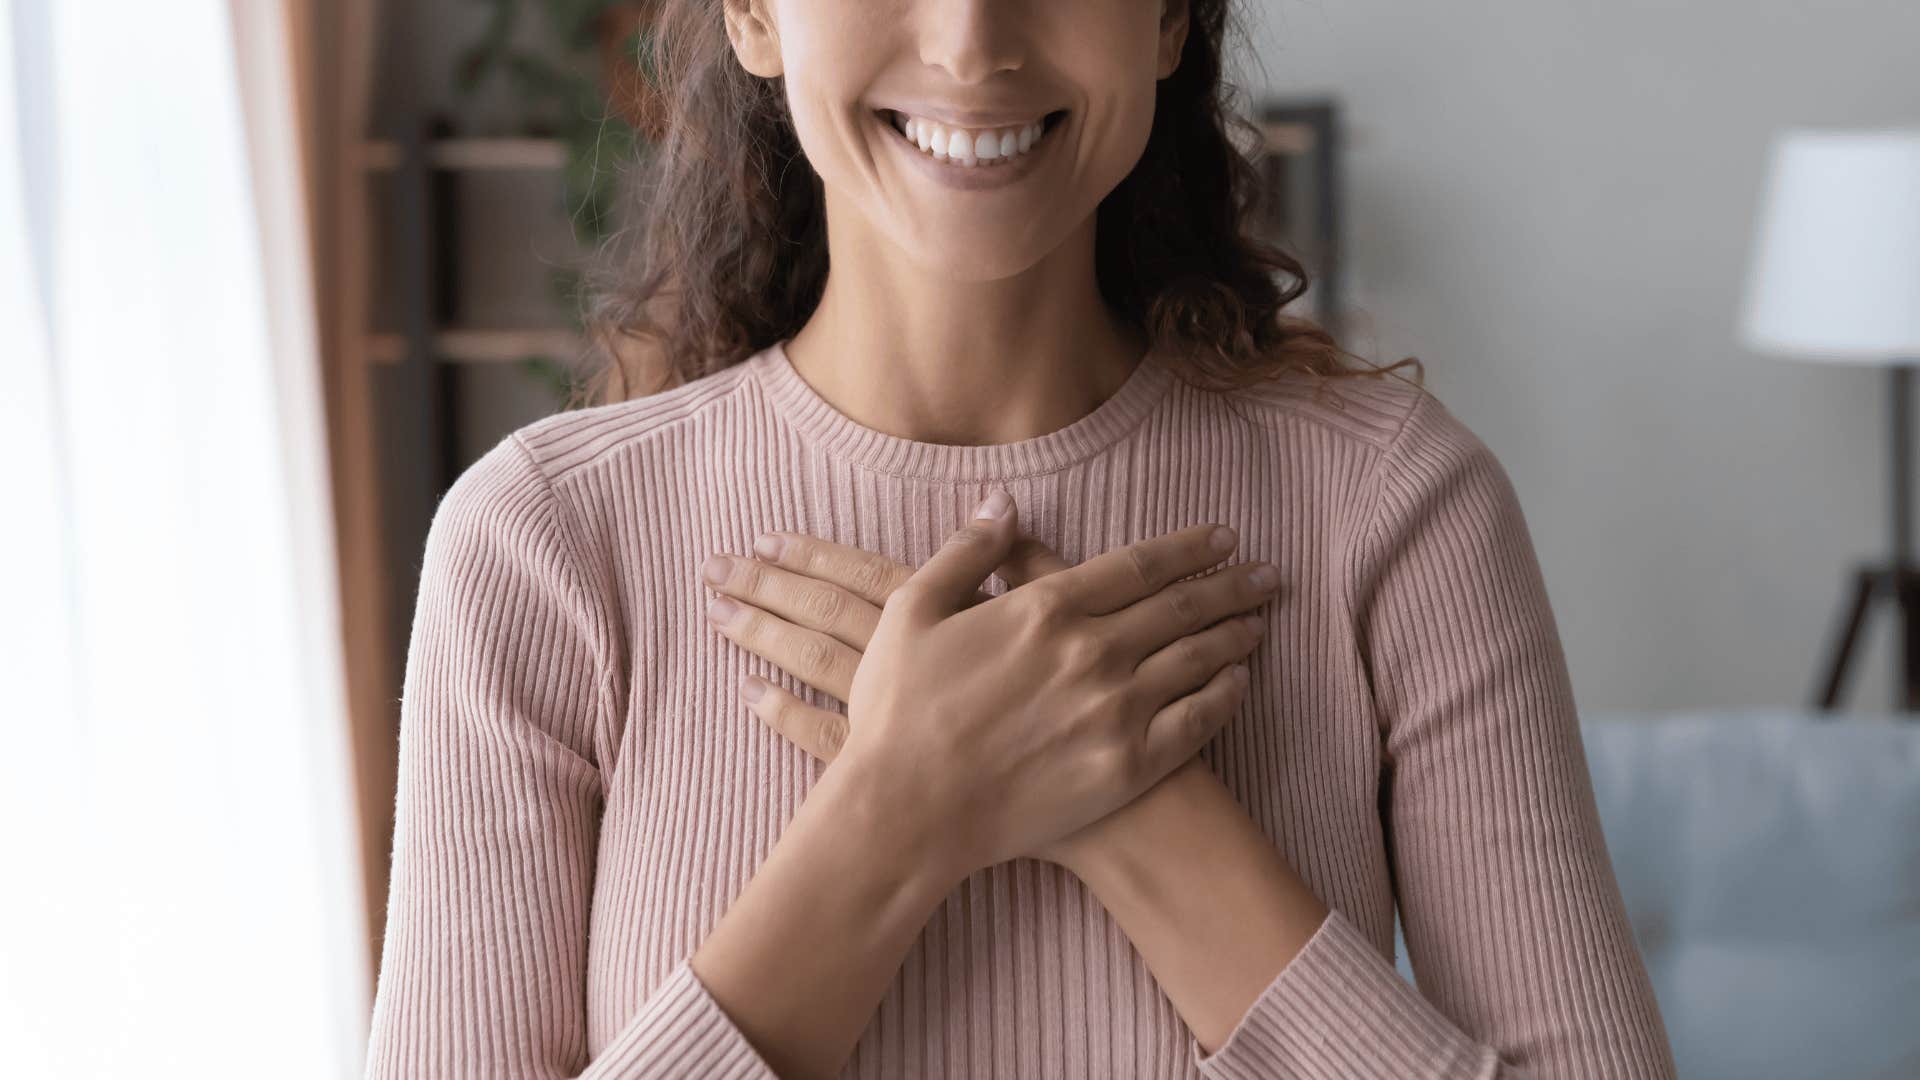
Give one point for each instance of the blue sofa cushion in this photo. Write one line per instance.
(1770, 862)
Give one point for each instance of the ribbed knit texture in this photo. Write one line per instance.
(582, 792)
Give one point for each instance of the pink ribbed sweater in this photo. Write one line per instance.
(582, 792)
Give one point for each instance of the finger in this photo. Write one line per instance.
(1031, 560)
(1113, 579)
(814, 658)
(1187, 664)
(870, 576)
(804, 601)
(863, 573)
(1188, 607)
(820, 732)
(947, 582)
(1183, 726)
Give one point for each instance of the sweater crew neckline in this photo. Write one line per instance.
(844, 437)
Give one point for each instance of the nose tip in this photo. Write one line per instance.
(972, 41)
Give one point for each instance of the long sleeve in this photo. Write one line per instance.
(1525, 961)
(505, 697)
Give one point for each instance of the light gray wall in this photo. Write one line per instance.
(1551, 203)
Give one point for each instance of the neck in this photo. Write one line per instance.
(926, 357)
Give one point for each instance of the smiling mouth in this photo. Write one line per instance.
(970, 147)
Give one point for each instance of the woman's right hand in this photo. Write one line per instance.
(997, 727)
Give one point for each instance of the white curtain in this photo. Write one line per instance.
(179, 880)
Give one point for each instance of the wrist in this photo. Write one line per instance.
(1207, 898)
(1102, 848)
(845, 873)
(910, 854)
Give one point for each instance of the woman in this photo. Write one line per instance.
(1098, 804)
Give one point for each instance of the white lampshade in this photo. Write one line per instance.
(1836, 268)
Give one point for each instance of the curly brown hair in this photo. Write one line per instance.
(723, 250)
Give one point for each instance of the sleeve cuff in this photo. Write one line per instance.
(682, 1032)
(1340, 1009)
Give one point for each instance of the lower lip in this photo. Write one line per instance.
(973, 177)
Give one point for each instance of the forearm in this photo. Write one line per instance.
(1212, 906)
(805, 953)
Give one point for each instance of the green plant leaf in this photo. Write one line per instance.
(480, 58)
(557, 378)
(576, 22)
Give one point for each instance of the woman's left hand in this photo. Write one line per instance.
(810, 606)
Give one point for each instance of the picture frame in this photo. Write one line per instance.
(1299, 209)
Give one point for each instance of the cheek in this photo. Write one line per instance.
(830, 57)
(1119, 124)
(822, 121)
(1113, 59)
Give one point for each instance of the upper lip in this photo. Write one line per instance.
(970, 118)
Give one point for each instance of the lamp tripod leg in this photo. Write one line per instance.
(1865, 582)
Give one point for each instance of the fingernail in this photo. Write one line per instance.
(1256, 624)
(722, 609)
(769, 546)
(1240, 674)
(1265, 576)
(752, 688)
(1223, 539)
(716, 569)
(995, 506)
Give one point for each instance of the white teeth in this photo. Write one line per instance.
(965, 147)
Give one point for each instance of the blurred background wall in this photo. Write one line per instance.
(1552, 206)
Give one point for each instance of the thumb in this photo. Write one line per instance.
(947, 582)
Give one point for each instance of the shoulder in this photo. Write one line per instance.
(1435, 477)
(566, 442)
(1367, 411)
(499, 529)
(501, 496)
(1412, 448)
(1434, 455)
(510, 497)
(502, 581)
